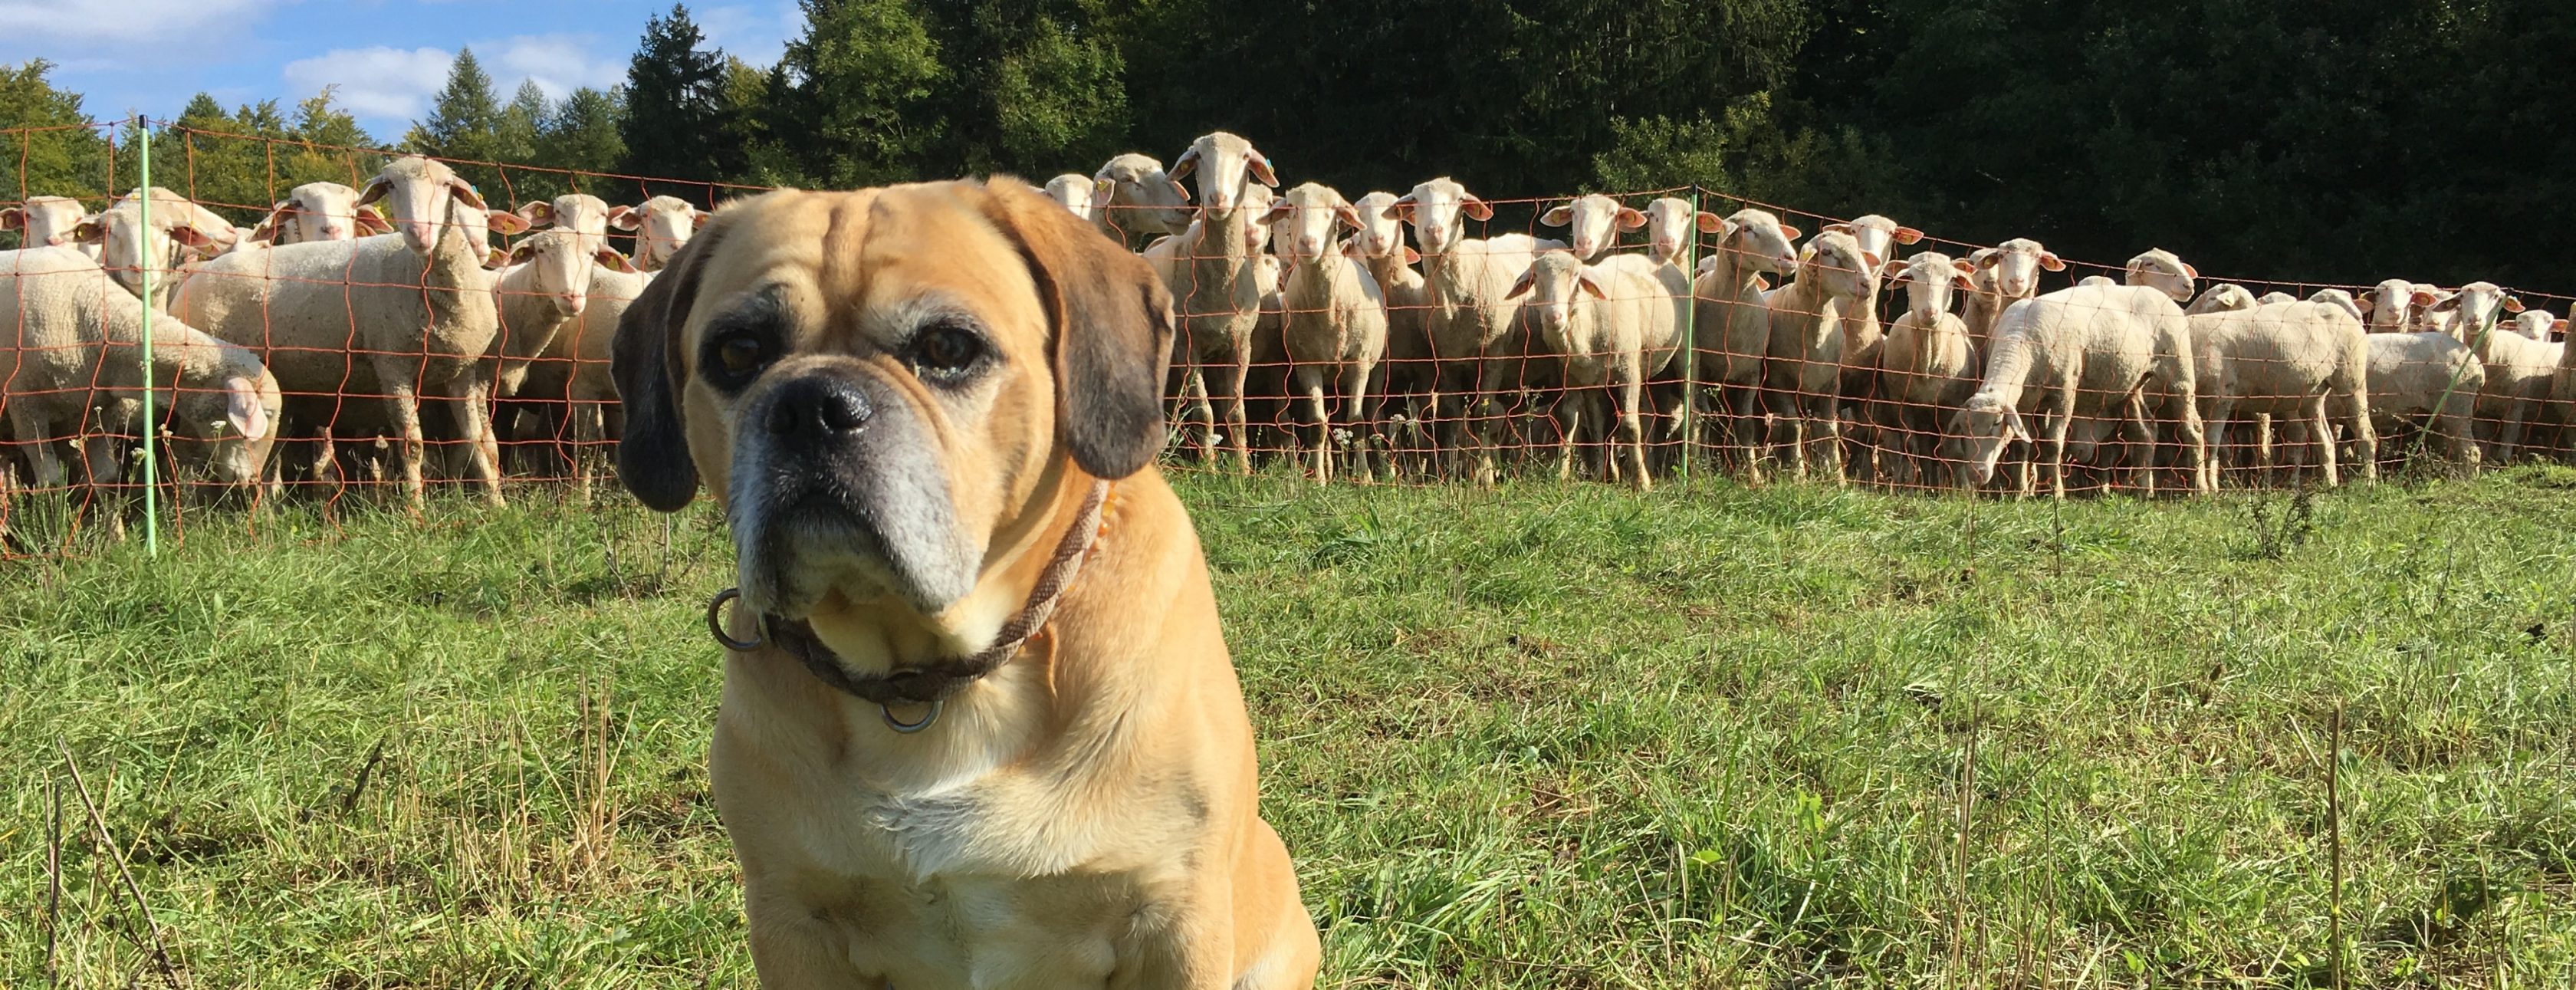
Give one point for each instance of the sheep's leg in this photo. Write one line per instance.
(2323, 442)
(2141, 441)
(482, 451)
(102, 472)
(589, 431)
(1237, 415)
(1483, 419)
(2195, 444)
(2511, 436)
(34, 436)
(1310, 383)
(2365, 437)
(1195, 405)
(403, 404)
(2267, 466)
(1357, 376)
(1632, 424)
(1829, 430)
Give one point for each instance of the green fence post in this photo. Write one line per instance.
(1690, 345)
(151, 423)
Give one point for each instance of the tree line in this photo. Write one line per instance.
(2333, 140)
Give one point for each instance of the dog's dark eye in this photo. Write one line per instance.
(945, 353)
(734, 359)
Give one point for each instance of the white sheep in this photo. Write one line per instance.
(2390, 305)
(2274, 299)
(1590, 324)
(317, 211)
(1335, 331)
(44, 221)
(1802, 377)
(2096, 282)
(2342, 300)
(544, 283)
(127, 247)
(1380, 244)
(569, 399)
(1213, 271)
(2521, 372)
(1733, 325)
(1928, 366)
(581, 213)
(1141, 200)
(69, 369)
(2537, 324)
(2159, 269)
(2225, 297)
(2084, 353)
(2006, 273)
(2427, 375)
(661, 225)
(1079, 193)
(1878, 237)
(1469, 315)
(2299, 362)
(1593, 223)
(393, 316)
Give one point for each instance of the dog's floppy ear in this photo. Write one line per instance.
(647, 361)
(1113, 331)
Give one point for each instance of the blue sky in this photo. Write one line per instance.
(386, 56)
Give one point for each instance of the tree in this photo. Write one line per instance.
(851, 100)
(47, 146)
(581, 134)
(677, 116)
(463, 122)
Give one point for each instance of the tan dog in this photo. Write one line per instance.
(910, 401)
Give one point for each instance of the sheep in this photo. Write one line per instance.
(2342, 300)
(1593, 223)
(2006, 273)
(44, 221)
(1802, 376)
(568, 394)
(1671, 226)
(417, 304)
(317, 211)
(2095, 282)
(1878, 237)
(1468, 316)
(2297, 361)
(1079, 193)
(2536, 324)
(1733, 325)
(661, 225)
(2225, 297)
(127, 249)
(1141, 199)
(581, 213)
(2087, 352)
(1214, 275)
(2274, 299)
(2520, 372)
(1927, 366)
(546, 282)
(1598, 346)
(2158, 269)
(68, 369)
(1335, 312)
(2429, 375)
(2390, 305)
(1380, 245)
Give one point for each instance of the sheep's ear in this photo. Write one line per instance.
(1261, 169)
(1103, 189)
(1984, 258)
(375, 190)
(1183, 166)
(1761, 283)
(1558, 215)
(2365, 303)
(1908, 235)
(464, 193)
(13, 218)
(1278, 211)
(1710, 223)
(537, 214)
(1178, 189)
(2013, 428)
(2444, 304)
(242, 409)
(1964, 267)
(506, 224)
(1584, 280)
(371, 221)
(1630, 218)
(496, 258)
(1790, 232)
(91, 229)
(624, 218)
(649, 364)
(2512, 304)
(522, 251)
(2421, 298)
(1962, 280)
(1870, 263)
(1113, 331)
(1895, 272)
(1350, 216)
(613, 260)
(1412, 256)
(2189, 272)
(2558, 326)
(1521, 286)
(1402, 208)
(1476, 208)
(2049, 261)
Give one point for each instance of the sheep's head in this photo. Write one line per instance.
(2016, 264)
(661, 225)
(45, 221)
(1760, 242)
(2096, 282)
(1381, 227)
(1434, 209)
(1308, 222)
(318, 211)
(1143, 197)
(1929, 279)
(1078, 193)
(2274, 299)
(222, 421)
(1877, 235)
(2536, 323)
(1225, 165)
(559, 266)
(580, 213)
(426, 199)
(2338, 299)
(128, 247)
(1848, 272)
(2159, 269)
(2478, 305)
(1979, 432)
(1593, 223)
(1671, 224)
(2225, 297)
(1551, 287)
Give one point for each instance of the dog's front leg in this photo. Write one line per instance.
(1183, 943)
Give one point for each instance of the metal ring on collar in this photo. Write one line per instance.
(908, 728)
(715, 622)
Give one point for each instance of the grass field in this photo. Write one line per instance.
(1551, 736)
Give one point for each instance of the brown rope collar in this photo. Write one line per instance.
(935, 682)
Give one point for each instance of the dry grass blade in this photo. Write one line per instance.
(160, 949)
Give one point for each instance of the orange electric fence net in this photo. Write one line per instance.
(320, 340)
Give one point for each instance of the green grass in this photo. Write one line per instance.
(1546, 737)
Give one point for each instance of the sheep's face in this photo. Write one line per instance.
(1670, 225)
(1878, 235)
(223, 429)
(128, 247)
(1140, 196)
(1761, 243)
(1846, 270)
(2225, 297)
(1076, 193)
(2534, 323)
(2158, 269)
(1551, 289)
(1929, 279)
(1225, 164)
(1593, 223)
(580, 213)
(318, 211)
(2017, 263)
(661, 225)
(426, 200)
(1308, 222)
(1979, 432)
(1435, 208)
(558, 269)
(1381, 225)
(46, 221)
(2477, 305)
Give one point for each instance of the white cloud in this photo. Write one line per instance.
(376, 83)
(755, 34)
(51, 27)
(559, 63)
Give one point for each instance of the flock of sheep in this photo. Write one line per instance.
(1304, 314)
(379, 333)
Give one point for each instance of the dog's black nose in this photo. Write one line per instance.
(814, 409)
